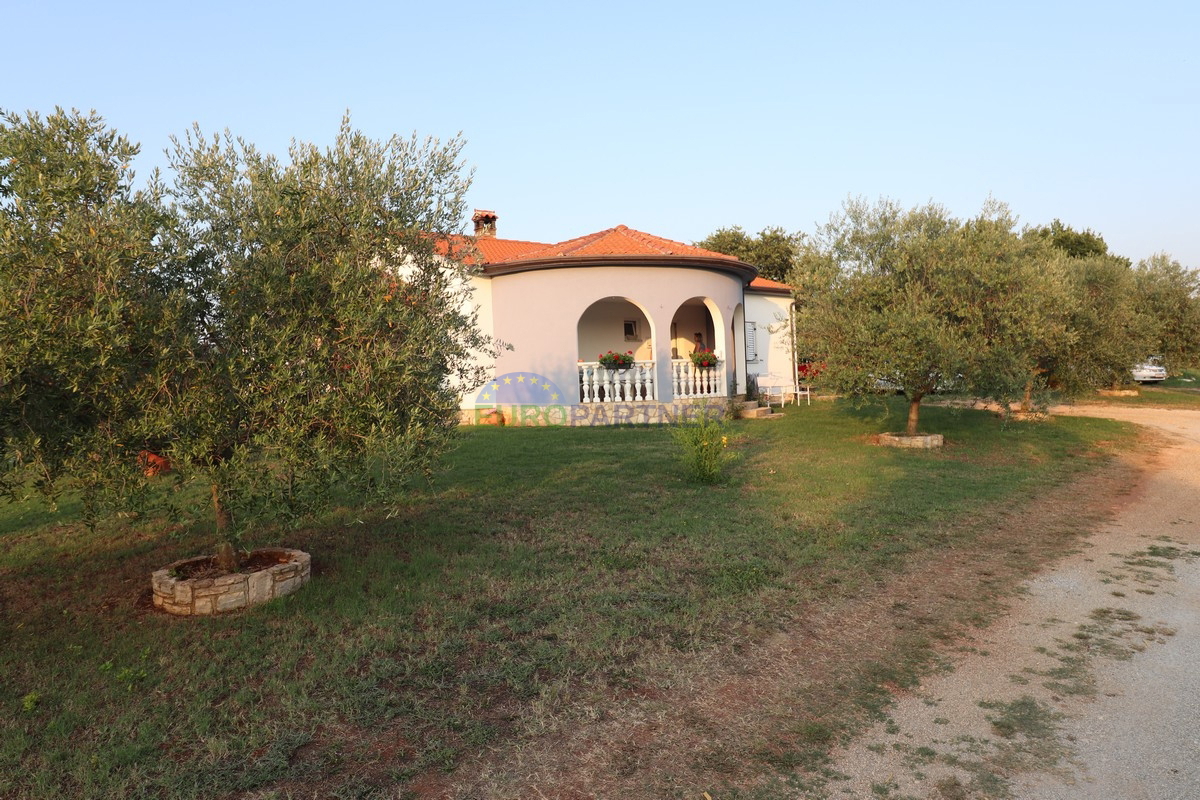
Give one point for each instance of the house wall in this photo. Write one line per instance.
(538, 313)
(481, 299)
(775, 361)
(478, 300)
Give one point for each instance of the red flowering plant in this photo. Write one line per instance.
(809, 369)
(705, 359)
(611, 360)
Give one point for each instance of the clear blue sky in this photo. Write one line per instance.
(677, 118)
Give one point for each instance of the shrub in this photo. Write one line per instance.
(704, 447)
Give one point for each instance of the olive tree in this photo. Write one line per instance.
(1106, 332)
(1007, 293)
(1169, 297)
(87, 325)
(865, 307)
(285, 331)
(1111, 312)
(333, 334)
(915, 300)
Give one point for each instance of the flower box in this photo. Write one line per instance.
(621, 361)
(705, 359)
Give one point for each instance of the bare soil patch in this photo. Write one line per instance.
(255, 561)
(1084, 689)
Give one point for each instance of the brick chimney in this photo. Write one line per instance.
(485, 223)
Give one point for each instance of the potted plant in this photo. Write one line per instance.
(621, 361)
(705, 359)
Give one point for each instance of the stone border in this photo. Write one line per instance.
(1118, 392)
(919, 441)
(206, 596)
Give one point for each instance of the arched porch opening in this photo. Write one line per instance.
(619, 325)
(696, 327)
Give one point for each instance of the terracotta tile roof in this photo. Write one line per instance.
(767, 283)
(493, 251)
(505, 255)
(497, 250)
(618, 241)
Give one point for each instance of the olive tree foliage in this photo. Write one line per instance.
(1076, 244)
(87, 325)
(915, 300)
(284, 331)
(1108, 328)
(773, 250)
(1169, 298)
(1107, 332)
(333, 334)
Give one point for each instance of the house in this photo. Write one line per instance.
(558, 307)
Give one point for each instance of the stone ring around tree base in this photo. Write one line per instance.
(916, 441)
(284, 572)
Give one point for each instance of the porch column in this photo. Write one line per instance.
(662, 356)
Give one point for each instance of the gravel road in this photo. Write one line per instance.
(1089, 687)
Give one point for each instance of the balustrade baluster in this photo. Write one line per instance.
(585, 383)
(598, 384)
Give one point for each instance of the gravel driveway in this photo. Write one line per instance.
(1089, 687)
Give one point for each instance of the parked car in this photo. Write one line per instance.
(1149, 371)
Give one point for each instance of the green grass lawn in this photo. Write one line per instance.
(1181, 390)
(1184, 379)
(545, 571)
(1176, 392)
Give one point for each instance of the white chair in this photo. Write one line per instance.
(776, 390)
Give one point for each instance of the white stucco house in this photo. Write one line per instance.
(558, 307)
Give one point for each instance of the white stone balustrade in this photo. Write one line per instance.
(688, 380)
(599, 384)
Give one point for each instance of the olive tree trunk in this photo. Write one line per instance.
(914, 412)
(227, 556)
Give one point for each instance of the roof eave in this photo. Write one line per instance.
(739, 269)
(782, 292)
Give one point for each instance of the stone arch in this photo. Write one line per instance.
(698, 315)
(615, 323)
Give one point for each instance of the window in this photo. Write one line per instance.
(751, 341)
(631, 331)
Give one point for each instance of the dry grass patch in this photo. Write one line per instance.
(784, 699)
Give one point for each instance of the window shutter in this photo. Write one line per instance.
(751, 341)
